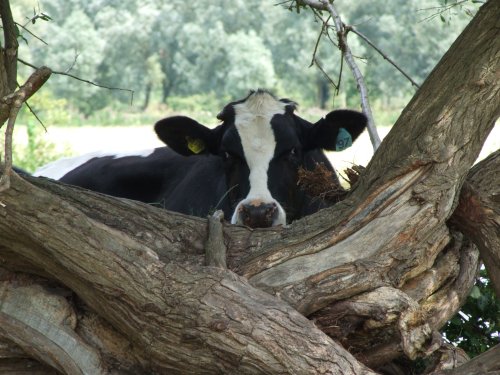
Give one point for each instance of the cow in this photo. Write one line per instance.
(246, 166)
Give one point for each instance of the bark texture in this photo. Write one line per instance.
(91, 284)
(478, 213)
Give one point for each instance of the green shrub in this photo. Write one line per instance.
(37, 151)
(202, 107)
(50, 110)
(477, 327)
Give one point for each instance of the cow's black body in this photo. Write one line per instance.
(163, 178)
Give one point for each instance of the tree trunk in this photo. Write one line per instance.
(98, 285)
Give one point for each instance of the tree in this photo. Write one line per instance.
(94, 284)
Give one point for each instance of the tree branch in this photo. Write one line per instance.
(43, 328)
(234, 327)
(486, 363)
(9, 52)
(9, 108)
(215, 254)
(478, 213)
(362, 36)
(32, 85)
(83, 80)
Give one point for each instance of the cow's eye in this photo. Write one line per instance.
(229, 155)
(292, 154)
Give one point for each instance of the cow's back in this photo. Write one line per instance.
(194, 185)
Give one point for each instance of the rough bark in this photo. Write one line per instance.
(167, 309)
(478, 213)
(380, 271)
(8, 52)
(486, 363)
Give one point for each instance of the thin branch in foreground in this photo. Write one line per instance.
(370, 43)
(77, 55)
(33, 35)
(9, 109)
(36, 116)
(317, 63)
(316, 46)
(440, 10)
(346, 52)
(83, 80)
(14, 110)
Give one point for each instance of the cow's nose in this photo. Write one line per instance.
(261, 215)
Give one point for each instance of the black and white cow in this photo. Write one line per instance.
(247, 166)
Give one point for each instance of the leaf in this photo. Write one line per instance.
(475, 292)
(45, 17)
(482, 303)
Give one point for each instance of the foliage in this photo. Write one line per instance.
(190, 49)
(37, 151)
(54, 111)
(476, 327)
(202, 107)
(448, 9)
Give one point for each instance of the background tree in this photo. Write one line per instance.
(195, 46)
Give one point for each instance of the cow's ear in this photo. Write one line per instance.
(187, 136)
(337, 130)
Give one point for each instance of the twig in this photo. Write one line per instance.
(317, 63)
(347, 54)
(441, 10)
(340, 75)
(33, 35)
(215, 249)
(319, 39)
(74, 62)
(34, 82)
(83, 80)
(9, 108)
(36, 116)
(14, 110)
(362, 36)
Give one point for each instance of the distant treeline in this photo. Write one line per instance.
(220, 49)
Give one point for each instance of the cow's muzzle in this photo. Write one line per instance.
(257, 214)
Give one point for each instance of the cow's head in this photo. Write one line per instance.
(262, 144)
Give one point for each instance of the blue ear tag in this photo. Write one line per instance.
(343, 141)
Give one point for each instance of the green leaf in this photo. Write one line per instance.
(475, 292)
(45, 17)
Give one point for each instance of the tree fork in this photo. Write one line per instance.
(233, 326)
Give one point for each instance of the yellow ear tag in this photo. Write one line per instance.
(195, 145)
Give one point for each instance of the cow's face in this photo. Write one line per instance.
(262, 144)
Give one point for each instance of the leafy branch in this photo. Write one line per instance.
(447, 7)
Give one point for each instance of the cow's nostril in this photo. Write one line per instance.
(260, 215)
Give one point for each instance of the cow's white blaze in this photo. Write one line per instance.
(253, 122)
(59, 168)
